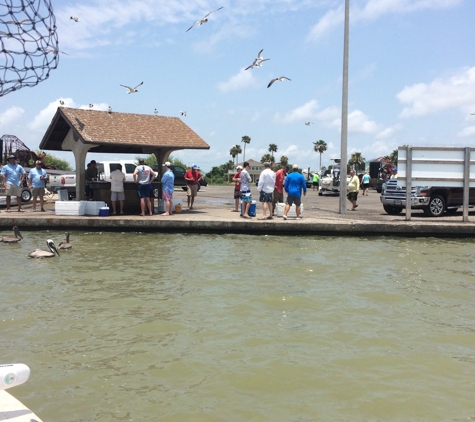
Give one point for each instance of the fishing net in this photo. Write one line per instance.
(29, 43)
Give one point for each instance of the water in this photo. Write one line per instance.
(171, 327)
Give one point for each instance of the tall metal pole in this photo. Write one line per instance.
(344, 112)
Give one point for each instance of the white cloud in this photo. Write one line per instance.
(388, 132)
(468, 131)
(243, 79)
(372, 10)
(422, 99)
(307, 111)
(358, 122)
(11, 114)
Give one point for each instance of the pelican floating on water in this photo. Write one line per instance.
(13, 239)
(40, 253)
(65, 245)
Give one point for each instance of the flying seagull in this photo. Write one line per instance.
(19, 24)
(280, 79)
(61, 102)
(257, 61)
(204, 20)
(74, 19)
(132, 90)
(55, 52)
(308, 123)
(183, 113)
(8, 35)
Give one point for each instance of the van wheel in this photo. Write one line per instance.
(436, 206)
(392, 210)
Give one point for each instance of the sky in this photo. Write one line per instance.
(411, 74)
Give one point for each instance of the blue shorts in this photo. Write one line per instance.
(294, 200)
(246, 197)
(143, 190)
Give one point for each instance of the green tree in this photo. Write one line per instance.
(53, 162)
(268, 157)
(272, 148)
(246, 139)
(320, 147)
(284, 161)
(151, 160)
(393, 156)
(238, 151)
(233, 153)
(357, 161)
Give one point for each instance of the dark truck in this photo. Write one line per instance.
(433, 200)
(179, 173)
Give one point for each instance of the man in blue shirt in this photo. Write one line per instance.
(168, 186)
(294, 184)
(37, 179)
(13, 176)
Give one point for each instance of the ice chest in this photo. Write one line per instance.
(93, 207)
(104, 212)
(252, 208)
(63, 195)
(280, 210)
(161, 205)
(69, 207)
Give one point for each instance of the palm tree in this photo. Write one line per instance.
(320, 147)
(272, 148)
(246, 140)
(238, 151)
(268, 157)
(357, 160)
(233, 153)
(284, 161)
(393, 157)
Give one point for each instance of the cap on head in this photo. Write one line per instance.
(93, 161)
(195, 166)
(295, 167)
(167, 164)
(266, 163)
(239, 168)
(11, 157)
(394, 168)
(38, 162)
(141, 161)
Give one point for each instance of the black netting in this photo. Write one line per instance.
(29, 43)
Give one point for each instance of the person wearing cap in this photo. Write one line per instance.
(91, 176)
(192, 177)
(365, 183)
(168, 187)
(246, 195)
(294, 185)
(37, 179)
(143, 177)
(13, 176)
(394, 173)
(237, 188)
(266, 189)
(279, 187)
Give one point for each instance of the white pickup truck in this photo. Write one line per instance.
(104, 169)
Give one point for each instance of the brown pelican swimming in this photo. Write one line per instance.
(65, 245)
(13, 239)
(40, 253)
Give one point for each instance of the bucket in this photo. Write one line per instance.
(178, 208)
(252, 209)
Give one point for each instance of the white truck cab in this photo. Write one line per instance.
(105, 168)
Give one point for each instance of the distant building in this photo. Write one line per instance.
(255, 169)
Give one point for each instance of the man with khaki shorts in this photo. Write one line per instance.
(192, 177)
(13, 176)
(37, 179)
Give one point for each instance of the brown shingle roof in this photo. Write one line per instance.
(120, 132)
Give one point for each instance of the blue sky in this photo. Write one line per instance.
(411, 73)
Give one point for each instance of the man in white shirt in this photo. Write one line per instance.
(266, 189)
(117, 189)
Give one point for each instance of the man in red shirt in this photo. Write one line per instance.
(279, 187)
(192, 177)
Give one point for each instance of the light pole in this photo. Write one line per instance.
(344, 112)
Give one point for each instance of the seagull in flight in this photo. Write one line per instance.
(55, 52)
(257, 61)
(308, 123)
(132, 90)
(19, 24)
(280, 79)
(183, 113)
(61, 102)
(8, 35)
(204, 20)
(74, 19)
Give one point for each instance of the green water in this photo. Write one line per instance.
(172, 327)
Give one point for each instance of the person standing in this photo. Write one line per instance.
(192, 177)
(294, 185)
(352, 189)
(365, 181)
(13, 176)
(316, 181)
(91, 176)
(143, 177)
(237, 188)
(246, 195)
(266, 188)
(117, 189)
(37, 179)
(168, 183)
(279, 187)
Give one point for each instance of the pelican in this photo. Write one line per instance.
(40, 253)
(65, 245)
(13, 239)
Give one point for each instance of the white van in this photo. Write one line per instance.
(105, 168)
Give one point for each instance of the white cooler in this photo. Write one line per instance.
(280, 210)
(69, 207)
(93, 207)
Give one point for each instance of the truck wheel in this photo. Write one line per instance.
(436, 206)
(392, 210)
(25, 195)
